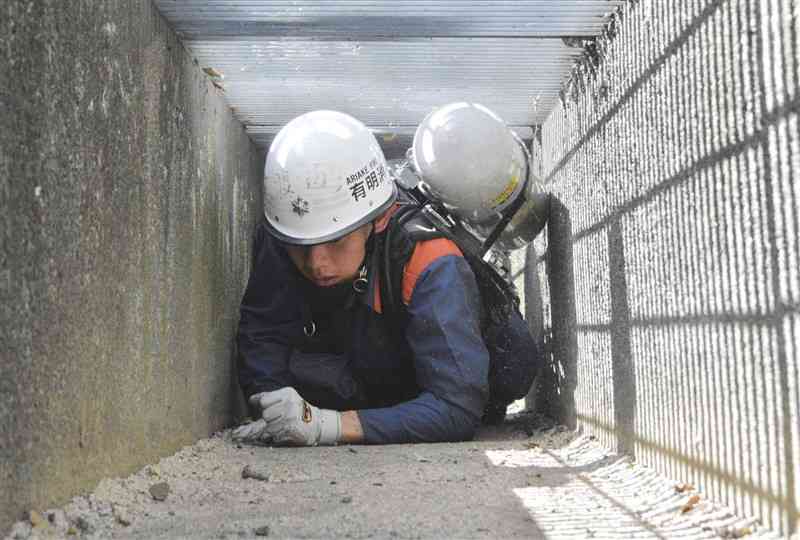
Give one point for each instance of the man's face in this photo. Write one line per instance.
(333, 262)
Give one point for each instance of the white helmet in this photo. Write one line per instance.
(324, 177)
(470, 160)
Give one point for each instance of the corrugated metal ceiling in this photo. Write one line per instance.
(386, 62)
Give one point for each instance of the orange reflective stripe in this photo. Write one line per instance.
(424, 254)
(377, 306)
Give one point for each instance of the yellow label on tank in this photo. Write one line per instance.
(506, 193)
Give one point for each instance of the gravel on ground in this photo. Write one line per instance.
(528, 478)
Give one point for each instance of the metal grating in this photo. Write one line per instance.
(385, 19)
(386, 62)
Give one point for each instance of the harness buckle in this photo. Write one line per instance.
(312, 331)
(360, 283)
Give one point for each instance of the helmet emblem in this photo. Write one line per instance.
(300, 206)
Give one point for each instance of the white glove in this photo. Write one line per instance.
(286, 418)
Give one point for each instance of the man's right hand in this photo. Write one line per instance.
(286, 418)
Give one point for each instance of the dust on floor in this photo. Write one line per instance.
(525, 479)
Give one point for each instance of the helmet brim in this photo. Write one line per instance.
(300, 241)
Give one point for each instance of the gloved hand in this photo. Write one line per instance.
(286, 418)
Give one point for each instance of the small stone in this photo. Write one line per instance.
(36, 519)
(21, 529)
(690, 504)
(352, 450)
(347, 500)
(122, 516)
(159, 491)
(262, 531)
(683, 488)
(255, 474)
(84, 525)
(58, 519)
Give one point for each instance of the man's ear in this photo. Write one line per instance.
(369, 229)
(368, 236)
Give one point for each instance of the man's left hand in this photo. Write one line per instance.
(288, 419)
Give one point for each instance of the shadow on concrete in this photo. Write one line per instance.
(655, 66)
(237, 405)
(555, 388)
(534, 317)
(623, 377)
(559, 377)
(764, 196)
(624, 512)
(773, 197)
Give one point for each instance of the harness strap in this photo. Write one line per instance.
(388, 289)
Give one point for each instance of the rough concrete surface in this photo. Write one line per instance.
(669, 272)
(127, 198)
(506, 484)
(666, 290)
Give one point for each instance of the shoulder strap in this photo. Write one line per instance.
(498, 297)
(406, 227)
(410, 225)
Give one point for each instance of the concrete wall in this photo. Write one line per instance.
(127, 198)
(670, 268)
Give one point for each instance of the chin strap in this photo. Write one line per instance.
(310, 329)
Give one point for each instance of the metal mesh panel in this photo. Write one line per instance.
(386, 63)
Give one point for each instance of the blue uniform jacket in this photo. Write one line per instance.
(430, 386)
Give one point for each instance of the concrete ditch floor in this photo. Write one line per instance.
(526, 479)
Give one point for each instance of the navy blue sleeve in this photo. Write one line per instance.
(450, 359)
(268, 319)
